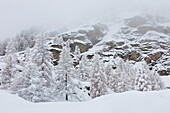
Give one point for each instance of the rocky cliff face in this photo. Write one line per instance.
(136, 38)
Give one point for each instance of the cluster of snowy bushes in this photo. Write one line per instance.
(34, 78)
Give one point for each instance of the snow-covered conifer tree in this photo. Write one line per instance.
(77, 54)
(42, 58)
(34, 86)
(123, 77)
(84, 69)
(109, 73)
(129, 77)
(40, 69)
(11, 48)
(3, 48)
(146, 80)
(31, 40)
(58, 40)
(157, 82)
(143, 78)
(116, 82)
(9, 72)
(66, 88)
(98, 81)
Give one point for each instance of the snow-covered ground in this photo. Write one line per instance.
(128, 102)
(166, 80)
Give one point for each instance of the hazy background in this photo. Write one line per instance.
(16, 15)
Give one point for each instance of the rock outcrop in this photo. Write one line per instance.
(140, 38)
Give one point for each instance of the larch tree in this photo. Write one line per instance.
(30, 35)
(58, 40)
(116, 82)
(109, 73)
(129, 77)
(143, 78)
(41, 58)
(11, 47)
(31, 40)
(98, 80)
(83, 70)
(3, 48)
(65, 76)
(32, 89)
(10, 71)
(123, 76)
(157, 82)
(147, 80)
(77, 54)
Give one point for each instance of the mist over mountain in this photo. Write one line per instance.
(58, 14)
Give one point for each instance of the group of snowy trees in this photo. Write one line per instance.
(147, 80)
(38, 70)
(21, 42)
(125, 77)
(97, 79)
(31, 78)
(34, 78)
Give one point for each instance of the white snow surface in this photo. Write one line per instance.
(166, 80)
(128, 102)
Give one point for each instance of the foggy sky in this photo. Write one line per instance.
(16, 15)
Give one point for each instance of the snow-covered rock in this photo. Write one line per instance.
(137, 38)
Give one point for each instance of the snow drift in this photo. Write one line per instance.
(128, 102)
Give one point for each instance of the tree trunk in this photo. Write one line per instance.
(67, 97)
(66, 88)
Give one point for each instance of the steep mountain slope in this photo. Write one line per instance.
(136, 38)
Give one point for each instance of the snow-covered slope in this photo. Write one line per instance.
(136, 38)
(166, 80)
(128, 102)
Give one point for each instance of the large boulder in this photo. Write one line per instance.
(147, 59)
(83, 46)
(133, 55)
(155, 56)
(163, 73)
